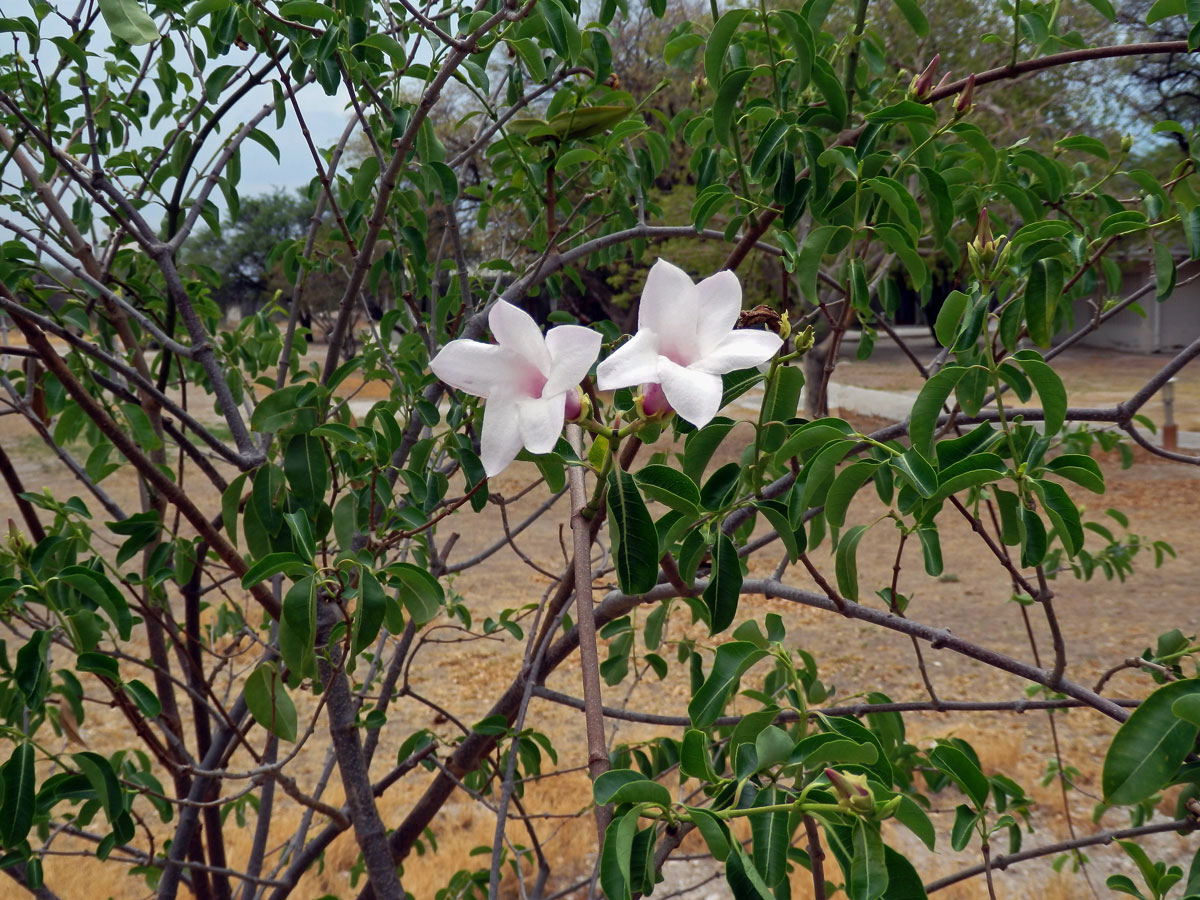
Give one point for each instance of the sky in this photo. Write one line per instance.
(326, 116)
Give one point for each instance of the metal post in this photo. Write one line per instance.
(1170, 433)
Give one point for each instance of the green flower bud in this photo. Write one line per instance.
(854, 794)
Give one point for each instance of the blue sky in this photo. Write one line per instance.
(326, 116)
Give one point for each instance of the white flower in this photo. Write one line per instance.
(686, 341)
(526, 378)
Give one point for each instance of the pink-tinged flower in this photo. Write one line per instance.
(530, 381)
(686, 341)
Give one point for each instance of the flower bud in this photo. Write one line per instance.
(653, 402)
(785, 327)
(888, 809)
(923, 83)
(854, 795)
(1127, 143)
(18, 545)
(966, 99)
(575, 403)
(805, 339)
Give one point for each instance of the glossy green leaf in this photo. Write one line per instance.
(274, 564)
(17, 798)
(963, 770)
(916, 470)
(269, 703)
(732, 660)
(923, 420)
(631, 532)
(718, 45)
(946, 325)
(846, 561)
(421, 593)
(670, 487)
(1049, 386)
(1149, 746)
(127, 20)
(724, 584)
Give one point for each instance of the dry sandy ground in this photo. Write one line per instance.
(1104, 621)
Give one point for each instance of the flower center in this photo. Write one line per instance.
(531, 381)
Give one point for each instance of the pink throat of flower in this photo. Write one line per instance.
(532, 382)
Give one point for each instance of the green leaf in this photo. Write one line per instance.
(1149, 746)
(868, 866)
(949, 316)
(231, 499)
(1162, 9)
(616, 856)
(777, 514)
(632, 535)
(694, 758)
(725, 106)
(127, 20)
(368, 612)
(1079, 468)
(421, 593)
(641, 791)
(670, 487)
(700, 446)
(724, 585)
(928, 406)
(1083, 143)
(772, 834)
(931, 549)
(817, 474)
(269, 703)
(1040, 301)
(274, 564)
(147, 701)
(714, 831)
(808, 261)
(846, 561)
(17, 798)
(1033, 538)
(744, 879)
(964, 772)
(608, 783)
(392, 48)
(1164, 272)
(844, 487)
(915, 819)
(770, 143)
(309, 9)
(915, 469)
(103, 780)
(718, 45)
(1049, 386)
(1063, 513)
(916, 19)
(904, 111)
(903, 245)
(732, 660)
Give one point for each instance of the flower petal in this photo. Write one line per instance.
(541, 422)
(573, 349)
(669, 301)
(696, 396)
(474, 367)
(739, 350)
(634, 362)
(516, 331)
(500, 441)
(720, 301)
